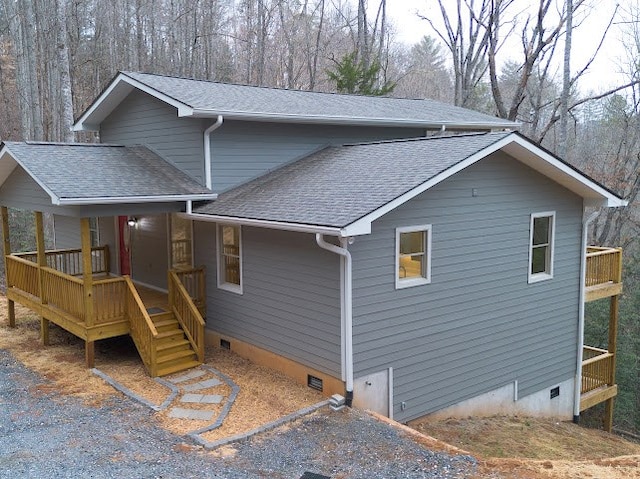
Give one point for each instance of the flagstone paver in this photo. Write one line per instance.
(195, 373)
(209, 383)
(202, 398)
(195, 414)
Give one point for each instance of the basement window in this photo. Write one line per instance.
(413, 256)
(230, 258)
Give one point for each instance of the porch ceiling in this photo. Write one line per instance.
(98, 174)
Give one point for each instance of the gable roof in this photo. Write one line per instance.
(207, 99)
(79, 174)
(342, 190)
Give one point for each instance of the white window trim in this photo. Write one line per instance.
(426, 279)
(536, 277)
(234, 288)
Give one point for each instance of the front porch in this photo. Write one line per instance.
(75, 289)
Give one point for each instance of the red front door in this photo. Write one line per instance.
(124, 239)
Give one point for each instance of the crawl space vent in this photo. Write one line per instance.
(313, 475)
(314, 382)
(555, 392)
(224, 344)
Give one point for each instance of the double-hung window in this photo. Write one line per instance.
(230, 258)
(541, 234)
(413, 256)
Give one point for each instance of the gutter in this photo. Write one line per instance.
(346, 319)
(583, 273)
(207, 150)
(339, 120)
(276, 225)
(114, 200)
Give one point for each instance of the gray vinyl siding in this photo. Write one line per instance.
(143, 120)
(479, 325)
(245, 150)
(149, 255)
(67, 232)
(291, 295)
(22, 192)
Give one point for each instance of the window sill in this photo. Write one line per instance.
(536, 278)
(232, 288)
(409, 283)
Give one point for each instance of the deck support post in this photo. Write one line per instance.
(87, 277)
(42, 262)
(6, 245)
(611, 347)
(89, 353)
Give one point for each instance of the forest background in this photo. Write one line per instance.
(56, 56)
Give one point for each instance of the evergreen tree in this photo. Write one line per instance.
(353, 76)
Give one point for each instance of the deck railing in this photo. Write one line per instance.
(193, 281)
(597, 369)
(22, 274)
(63, 291)
(143, 331)
(604, 265)
(109, 299)
(186, 312)
(69, 261)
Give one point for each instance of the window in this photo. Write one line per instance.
(229, 258)
(94, 232)
(413, 256)
(541, 246)
(181, 242)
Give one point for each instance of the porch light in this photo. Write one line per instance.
(132, 221)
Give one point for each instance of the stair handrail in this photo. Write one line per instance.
(143, 331)
(187, 313)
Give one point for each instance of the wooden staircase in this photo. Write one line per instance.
(173, 350)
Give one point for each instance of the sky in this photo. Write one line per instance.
(602, 74)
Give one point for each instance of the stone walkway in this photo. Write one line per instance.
(184, 382)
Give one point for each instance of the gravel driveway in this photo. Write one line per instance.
(45, 435)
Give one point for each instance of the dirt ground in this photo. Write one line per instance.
(533, 448)
(506, 447)
(264, 396)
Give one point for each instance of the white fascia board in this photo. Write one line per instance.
(555, 169)
(6, 152)
(111, 200)
(349, 120)
(114, 94)
(598, 197)
(276, 225)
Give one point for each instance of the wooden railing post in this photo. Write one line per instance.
(6, 244)
(87, 276)
(42, 262)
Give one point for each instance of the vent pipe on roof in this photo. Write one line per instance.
(346, 310)
(583, 281)
(207, 151)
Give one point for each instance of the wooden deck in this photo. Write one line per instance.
(167, 328)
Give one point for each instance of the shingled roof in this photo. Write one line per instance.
(347, 187)
(76, 173)
(198, 98)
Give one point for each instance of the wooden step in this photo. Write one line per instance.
(167, 325)
(167, 357)
(174, 368)
(161, 316)
(173, 346)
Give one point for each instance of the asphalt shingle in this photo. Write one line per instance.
(339, 185)
(230, 99)
(102, 171)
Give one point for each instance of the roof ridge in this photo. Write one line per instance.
(426, 138)
(295, 90)
(62, 143)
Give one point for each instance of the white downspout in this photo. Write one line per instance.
(347, 310)
(207, 150)
(583, 275)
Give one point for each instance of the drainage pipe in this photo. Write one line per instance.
(583, 275)
(207, 150)
(347, 309)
